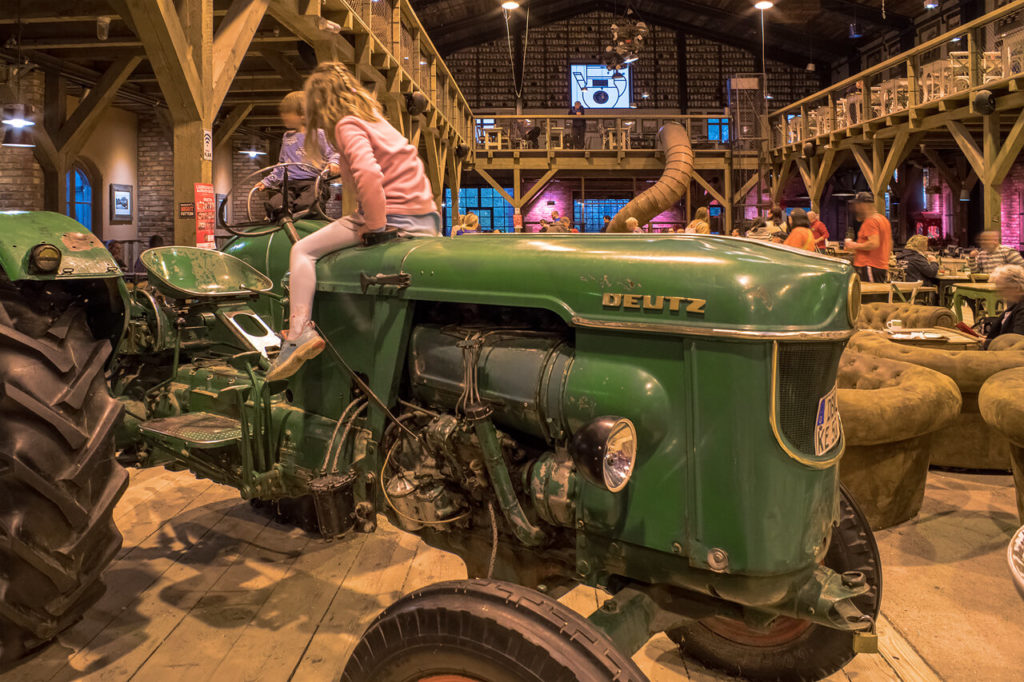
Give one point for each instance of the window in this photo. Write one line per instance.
(590, 217)
(79, 194)
(718, 130)
(492, 209)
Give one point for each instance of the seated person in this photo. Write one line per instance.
(391, 187)
(800, 235)
(991, 254)
(1009, 281)
(301, 181)
(154, 242)
(918, 264)
(470, 225)
(759, 230)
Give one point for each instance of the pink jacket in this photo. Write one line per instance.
(385, 170)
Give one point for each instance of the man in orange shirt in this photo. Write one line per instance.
(874, 240)
(819, 230)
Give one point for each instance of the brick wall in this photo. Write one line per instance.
(241, 166)
(1013, 206)
(21, 178)
(156, 181)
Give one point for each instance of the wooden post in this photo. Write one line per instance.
(991, 195)
(727, 207)
(194, 69)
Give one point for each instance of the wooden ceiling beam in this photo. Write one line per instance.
(91, 43)
(231, 42)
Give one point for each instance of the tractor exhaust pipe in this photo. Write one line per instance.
(670, 187)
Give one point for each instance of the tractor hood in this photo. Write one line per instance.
(82, 255)
(686, 284)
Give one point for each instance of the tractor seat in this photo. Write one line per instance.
(190, 272)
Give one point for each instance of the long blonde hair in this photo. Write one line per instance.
(332, 93)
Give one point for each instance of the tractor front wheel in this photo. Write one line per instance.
(789, 648)
(484, 631)
(59, 481)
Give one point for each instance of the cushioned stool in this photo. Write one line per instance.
(1001, 401)
(889, 411)
(967, 443)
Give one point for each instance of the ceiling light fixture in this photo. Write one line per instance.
(855, 31)
(763, 5)
(18, 115)
(18, 137)
(509, 5)
(931, 4)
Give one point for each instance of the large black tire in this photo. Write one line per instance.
(59, 481)
(486, 631)
(792, 649)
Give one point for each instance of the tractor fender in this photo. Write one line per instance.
(83, 255)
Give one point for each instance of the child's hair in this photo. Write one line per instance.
(702, 214)
(471, 221)
(332, 93)
(294, 103)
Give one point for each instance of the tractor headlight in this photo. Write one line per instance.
(853, 299)
(44, 258)
(605, 451)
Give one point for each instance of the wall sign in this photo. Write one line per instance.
(187, 209)
(207, 145)
(206, 215)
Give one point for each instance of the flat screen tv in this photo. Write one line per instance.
(598, 88)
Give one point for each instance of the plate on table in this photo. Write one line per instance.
(933, 336)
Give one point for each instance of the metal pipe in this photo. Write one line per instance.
(669, 188)
(527, 533)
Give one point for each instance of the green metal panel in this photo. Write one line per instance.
(747, 285)
(82, 254)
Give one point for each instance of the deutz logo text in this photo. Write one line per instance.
(640, 302)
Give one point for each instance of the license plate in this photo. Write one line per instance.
(827, 427)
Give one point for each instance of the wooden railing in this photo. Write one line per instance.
(541, 132)
(398, 34)
(978, 55)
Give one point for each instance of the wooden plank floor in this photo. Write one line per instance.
(206, 588)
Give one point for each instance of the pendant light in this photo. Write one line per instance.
(18, 137)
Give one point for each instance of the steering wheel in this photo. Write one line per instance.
(316, 210)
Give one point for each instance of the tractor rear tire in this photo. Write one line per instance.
(59, 481)
(484, 631)
(792, 649)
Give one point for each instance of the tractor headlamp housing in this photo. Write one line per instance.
(44, 258)
(605, 452)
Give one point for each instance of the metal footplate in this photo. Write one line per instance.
(199, 430)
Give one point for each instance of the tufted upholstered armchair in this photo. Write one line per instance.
(1001, 402)
(968, 442)
(875, 315)
(890, 410)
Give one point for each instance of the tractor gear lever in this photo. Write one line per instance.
(399, 280)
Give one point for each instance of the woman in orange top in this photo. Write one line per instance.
(800, 234)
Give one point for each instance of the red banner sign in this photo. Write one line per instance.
(206, 215)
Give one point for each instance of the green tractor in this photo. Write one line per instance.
(654, 416)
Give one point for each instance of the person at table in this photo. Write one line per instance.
(819, 229)
(1009, 281)
(579, 125)
(800, 235)
(700, 223)
(990, 254)
(873, 246)
(918, 264)
(777, 222)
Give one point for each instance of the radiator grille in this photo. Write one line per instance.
(806, 372)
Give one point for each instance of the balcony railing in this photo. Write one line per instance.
(397, 30)
(538, 132)
(985, 53)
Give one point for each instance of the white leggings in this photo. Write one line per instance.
(340, 234)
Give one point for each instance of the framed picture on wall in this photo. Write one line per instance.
(122, 204)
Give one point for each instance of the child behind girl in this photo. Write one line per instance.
(390, 183)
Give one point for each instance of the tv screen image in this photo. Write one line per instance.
(598, 88)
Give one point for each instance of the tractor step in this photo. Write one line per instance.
(199, 430)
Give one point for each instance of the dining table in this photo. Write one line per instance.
(981, 292)
(945, 338)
